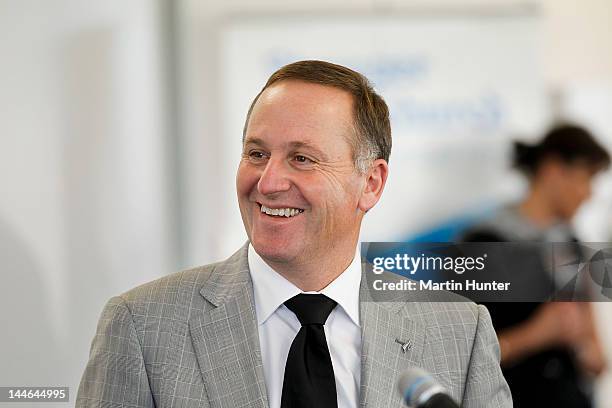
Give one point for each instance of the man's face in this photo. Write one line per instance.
(298, 190)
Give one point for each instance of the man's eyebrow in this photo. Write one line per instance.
(254, 140)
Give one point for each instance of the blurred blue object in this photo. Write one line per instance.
(448, 230)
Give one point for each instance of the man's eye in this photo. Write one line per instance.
(302, 159)
(256, 155)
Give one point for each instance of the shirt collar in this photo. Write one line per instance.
(271, 289)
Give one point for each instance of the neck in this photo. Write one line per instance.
(537, 209)
(316, 273)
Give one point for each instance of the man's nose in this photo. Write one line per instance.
(274, 178)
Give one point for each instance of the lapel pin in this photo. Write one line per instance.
(407, 345)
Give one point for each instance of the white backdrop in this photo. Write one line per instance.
(85, 211)
(458, 88)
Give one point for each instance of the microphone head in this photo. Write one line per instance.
(416, 386)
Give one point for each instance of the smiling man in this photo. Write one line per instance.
(286, 321)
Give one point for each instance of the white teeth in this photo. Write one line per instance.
(281, 212)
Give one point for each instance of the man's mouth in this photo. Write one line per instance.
(286, 212)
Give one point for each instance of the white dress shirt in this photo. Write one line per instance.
(278, 326)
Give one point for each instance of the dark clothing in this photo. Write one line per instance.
(549, 378)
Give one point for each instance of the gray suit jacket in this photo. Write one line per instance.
(190, 340)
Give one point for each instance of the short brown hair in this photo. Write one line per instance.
(371, 115)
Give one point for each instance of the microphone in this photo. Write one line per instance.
(419, 390)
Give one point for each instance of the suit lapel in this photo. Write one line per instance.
(383, 358)
(226, 339)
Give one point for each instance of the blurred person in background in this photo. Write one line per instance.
(550, 352)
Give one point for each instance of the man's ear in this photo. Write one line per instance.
(376, 178)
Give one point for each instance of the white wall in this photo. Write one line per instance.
(84, 209)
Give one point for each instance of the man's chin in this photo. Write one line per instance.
(272, 252)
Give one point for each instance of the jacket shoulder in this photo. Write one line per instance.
(175, 295)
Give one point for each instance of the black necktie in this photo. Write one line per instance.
(309, 376)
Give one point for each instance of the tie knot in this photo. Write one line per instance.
(311, 309)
